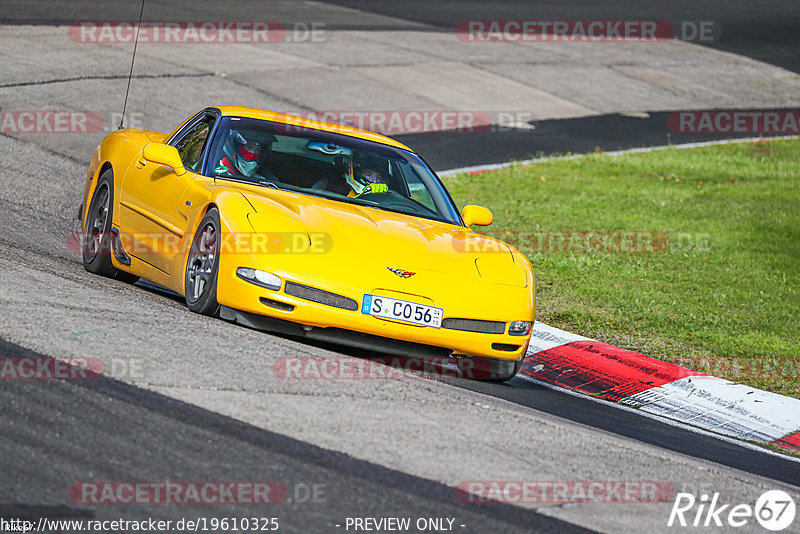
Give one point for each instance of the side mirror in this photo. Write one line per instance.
(477, 215)
(164, 155)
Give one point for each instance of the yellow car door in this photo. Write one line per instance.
(152, 211)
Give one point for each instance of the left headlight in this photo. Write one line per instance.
(519, 328)
(259, 278)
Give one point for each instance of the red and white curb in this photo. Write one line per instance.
(663, 389)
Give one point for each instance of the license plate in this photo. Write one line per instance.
(402, 310)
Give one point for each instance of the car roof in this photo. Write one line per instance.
(294, 120)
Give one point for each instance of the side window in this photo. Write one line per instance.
(190, 146)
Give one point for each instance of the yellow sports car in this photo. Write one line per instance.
(310, 229)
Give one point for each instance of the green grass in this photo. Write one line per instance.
(722, 298)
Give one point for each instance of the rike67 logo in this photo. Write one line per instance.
(774, 510)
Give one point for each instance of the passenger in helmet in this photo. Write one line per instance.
(244, 153)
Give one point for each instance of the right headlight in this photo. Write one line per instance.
(519, 328)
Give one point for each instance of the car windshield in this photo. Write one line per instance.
(330, 165)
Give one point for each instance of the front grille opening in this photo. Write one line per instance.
(506, 347)
(320, 296)
(475, 325)
(276, 304)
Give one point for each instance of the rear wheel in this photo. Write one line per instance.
(97, 232)
(202, 266)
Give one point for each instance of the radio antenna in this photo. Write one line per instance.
(130, 74)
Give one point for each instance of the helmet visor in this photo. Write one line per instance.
(371, 176)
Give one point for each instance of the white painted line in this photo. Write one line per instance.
(497, 166)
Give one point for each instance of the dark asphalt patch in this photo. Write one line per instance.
(449, 150)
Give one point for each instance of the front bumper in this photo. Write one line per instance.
(334, 335)
(266, 309)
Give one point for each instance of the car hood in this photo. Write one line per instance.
(364, 236)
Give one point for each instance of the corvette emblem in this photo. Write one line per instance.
(401, 273)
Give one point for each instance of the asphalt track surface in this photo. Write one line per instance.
(55, 433)
(605, 415)
(165, 439)
(763, 31)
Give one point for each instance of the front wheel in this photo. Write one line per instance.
(202, 266)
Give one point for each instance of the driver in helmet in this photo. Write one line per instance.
(366, 181)
(243, 154)
(360, 177)
(367, 176)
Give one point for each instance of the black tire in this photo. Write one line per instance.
(489, 369)
(96, 240)
(202, 266)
